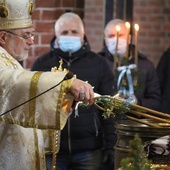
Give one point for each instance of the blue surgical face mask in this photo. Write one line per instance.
(121, 46)
(69, 43)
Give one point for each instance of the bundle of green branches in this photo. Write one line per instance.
(116, 106)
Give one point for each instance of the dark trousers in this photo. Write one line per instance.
(88, 160)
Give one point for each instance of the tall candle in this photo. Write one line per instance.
(117, 40)
(127, 42)
(116, 48)
(136, 26)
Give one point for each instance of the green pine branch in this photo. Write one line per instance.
(137, 159)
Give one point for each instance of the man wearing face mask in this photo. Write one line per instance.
(87, 133)
(111, 45)
(146, 90)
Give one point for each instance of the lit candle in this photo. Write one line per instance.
(127, 43)
(136, 26)
(117, 41)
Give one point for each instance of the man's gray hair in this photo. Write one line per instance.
(69, 16)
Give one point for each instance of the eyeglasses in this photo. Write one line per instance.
(25, 37)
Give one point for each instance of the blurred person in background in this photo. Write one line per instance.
(146, 90)
(136, 83)
(163, 70)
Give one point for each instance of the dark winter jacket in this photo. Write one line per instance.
(163, 71)
(84, 132)
(147, 91)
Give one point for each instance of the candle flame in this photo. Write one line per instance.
(117, 28)
(127, 24)
(136, 27)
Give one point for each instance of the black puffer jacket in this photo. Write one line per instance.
(84, 132)
(163, 71)
(148, 90)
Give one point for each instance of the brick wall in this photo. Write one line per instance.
(153, 17)
(94, 22)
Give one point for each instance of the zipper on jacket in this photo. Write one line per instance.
(69, 54)
(95, 124)
(68, 62)
(69, 140)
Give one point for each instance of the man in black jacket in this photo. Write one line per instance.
(138, 82)
(87, 135)
(145, 90)
(163, 70)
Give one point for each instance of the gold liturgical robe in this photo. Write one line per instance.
(21, 140)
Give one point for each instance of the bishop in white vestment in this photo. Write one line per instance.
(24, 112)
(20, 137)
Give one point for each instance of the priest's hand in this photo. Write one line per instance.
(82, 91)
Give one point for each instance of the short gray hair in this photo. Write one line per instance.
(69, 16)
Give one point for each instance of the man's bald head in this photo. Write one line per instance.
(111, 25)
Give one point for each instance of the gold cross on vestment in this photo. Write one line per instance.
(60, 68)
(8, 60)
